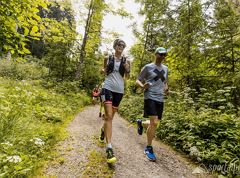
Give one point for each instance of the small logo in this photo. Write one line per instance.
(201, 169)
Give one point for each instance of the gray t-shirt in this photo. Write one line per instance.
(156, 76)
(114, 81)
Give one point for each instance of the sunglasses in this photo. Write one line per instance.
(120, 44)
(162, 54)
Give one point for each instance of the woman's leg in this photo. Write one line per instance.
(108, 122)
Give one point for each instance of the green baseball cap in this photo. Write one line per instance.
(160, 50)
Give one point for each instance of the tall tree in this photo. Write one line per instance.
(58, 39)
(90, 56)
(225, 43)
(225, 40)
(154, 31)
(86, 67)
(187, 57)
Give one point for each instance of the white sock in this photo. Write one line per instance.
(109, 145)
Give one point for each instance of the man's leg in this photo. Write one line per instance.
(145, 124)
(149, 109)
(151, 129)
(154, 120)
(150, 135)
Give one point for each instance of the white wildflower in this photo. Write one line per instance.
(190, 100)
(220, 91)
(2, 95)
(7, 143)
(17, 88)
(203, 89)
(207, 94)
(29, 93)
(194, 151)
(38, 141)
(14, 159)
(227, 88)
(221, 107)
(208, 102)
(221, 100)
(227, 94)
(230, 105)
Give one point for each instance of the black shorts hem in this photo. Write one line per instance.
(153, 108)
(108, 95)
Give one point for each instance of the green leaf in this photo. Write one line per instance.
(25, 50)
(12, 51)
(17, 167)
(34, 29)
(26, 31)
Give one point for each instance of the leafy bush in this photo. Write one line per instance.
(132, 107)
(209, 136)
(64, 87)
(22, 71)
(32, 121)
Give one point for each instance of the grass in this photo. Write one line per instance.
(97, 166)
(33, 120)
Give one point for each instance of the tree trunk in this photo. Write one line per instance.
(85, 37)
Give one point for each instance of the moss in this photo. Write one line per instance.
(61, 160)
(97, 166)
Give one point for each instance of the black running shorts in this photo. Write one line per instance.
(153, 108)
(109, 97)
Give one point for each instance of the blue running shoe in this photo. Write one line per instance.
(140, 127)
(149, 153)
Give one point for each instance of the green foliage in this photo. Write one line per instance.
(46, 30)
(205, 127)
(58, 41)
(65, 87)
(32, 121)
(22, 70)
(203, 38)
(141, 58)
(210, 136)
(223, 51)
(90, 58)
(97, 166)
(20, 22)
(132, 107)
(236, 82)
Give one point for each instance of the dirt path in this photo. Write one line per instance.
(74, 160)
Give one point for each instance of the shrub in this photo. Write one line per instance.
(206, 127)
(32, 121)
(21, 70)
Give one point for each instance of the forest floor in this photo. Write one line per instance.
(81, 155)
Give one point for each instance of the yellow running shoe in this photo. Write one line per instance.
(110, 156)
